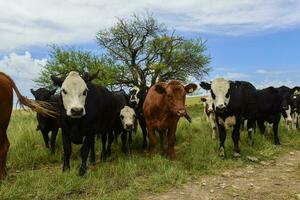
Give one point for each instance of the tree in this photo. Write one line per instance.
(61, 61)
(148, 52)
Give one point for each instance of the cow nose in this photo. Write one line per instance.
(129, 126)
(181, 112)
(221, 108)
(76, 111)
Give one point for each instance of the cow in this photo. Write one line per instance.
(86, 109)
(136, 100)
(7, 86)
(269, 109)
(163, 107)
(295, 106)
(210, 114)
(285, 93)
(47, 124)
(234, 101)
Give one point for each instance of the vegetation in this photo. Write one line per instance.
(36, 174)
(135, 51)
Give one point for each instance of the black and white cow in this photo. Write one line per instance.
(210, 114)
(232, 100)
(295, 106)
(47, 124)
(86, 109)
(285, 93)
(136, 101)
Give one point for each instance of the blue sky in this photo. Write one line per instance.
(249, 40)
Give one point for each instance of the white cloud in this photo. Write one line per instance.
(35, 22)
(23, 69)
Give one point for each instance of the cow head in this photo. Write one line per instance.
(295, 99)
(42, 94)
(73, 92)
(128, 117)
(133, 92)
(208, 104)
(220, 93)
(174, 95)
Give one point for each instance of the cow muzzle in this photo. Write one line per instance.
(77, 112)
(181, 113)
(221, 109)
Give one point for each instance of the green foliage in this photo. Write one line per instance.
(149, 52)
(61, 61)
(36, 174)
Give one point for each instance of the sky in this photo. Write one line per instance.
(257, 41)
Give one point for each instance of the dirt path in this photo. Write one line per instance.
(275, 179)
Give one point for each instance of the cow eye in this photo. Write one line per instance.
(212, 94)
(64, 91)
(122, 117)
(170, 97)
(84, 93)
(227, 94)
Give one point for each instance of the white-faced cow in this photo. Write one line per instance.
(163, 107)
(210, 114)
(235, 100)
(295, 106)
(86, 109)
(286, 94)
(47, 124)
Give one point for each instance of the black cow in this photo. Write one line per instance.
(86, 109)
(295, 106)
(47, 124)
(232, 100)
(269, 108)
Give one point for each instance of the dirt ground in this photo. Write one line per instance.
(271, 180)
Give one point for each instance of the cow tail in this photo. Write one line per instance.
(40, 107)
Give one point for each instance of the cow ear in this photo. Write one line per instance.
(52, 92)
(160, 89)
(190, 88)
(57, 81)
(86, 76)
(205, 85)
(203, 99)
(32, 92)
(295, 89)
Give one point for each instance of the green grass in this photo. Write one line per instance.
(36, 174)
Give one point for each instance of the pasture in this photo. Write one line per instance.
(36, 174)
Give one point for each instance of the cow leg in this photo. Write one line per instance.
(171, 142)
(124, 141)
(162, 135)
(92, 151)
(222, 138)
(250, 128)
(110, 141)
(53, 140)
(67, 151)
(262, 127)
(275, 130)
(45, 137)
(236, 137)
(294, 121)
(142, 123)
(4, 146)
(129, 141)
(152, 141)
(84, 155)
(213, 123)
(103, 153)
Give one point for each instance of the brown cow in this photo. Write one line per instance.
(7, 86)
(163, 106)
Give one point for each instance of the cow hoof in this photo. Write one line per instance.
(222, 152)
(277, 143)
(82, 171)
(236, 155)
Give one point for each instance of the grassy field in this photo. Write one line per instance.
(36, 174)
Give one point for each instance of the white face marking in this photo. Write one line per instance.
(74, 91)
(133, 97)
(127, 116)
(220, 87)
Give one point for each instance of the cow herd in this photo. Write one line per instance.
(83, 111)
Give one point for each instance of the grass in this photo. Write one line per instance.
(36, 174)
